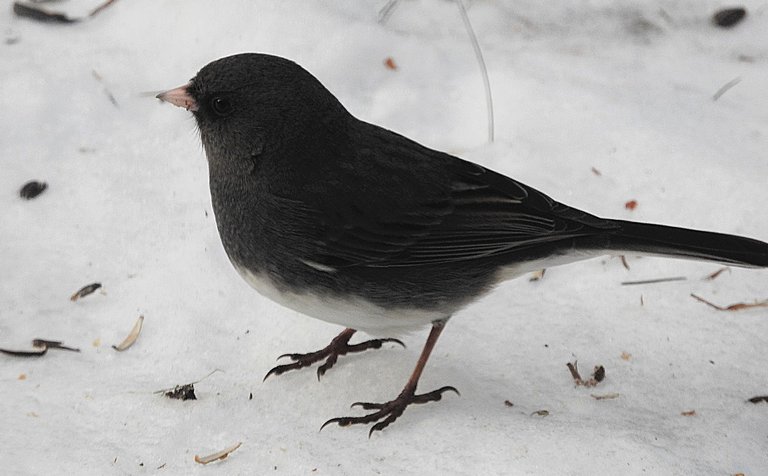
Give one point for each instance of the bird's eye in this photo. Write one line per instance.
(221, 106)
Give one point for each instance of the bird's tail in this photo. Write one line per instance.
(692, 244)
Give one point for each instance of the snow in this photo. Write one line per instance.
(625, 88)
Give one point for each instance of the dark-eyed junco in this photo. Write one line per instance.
(356, 225)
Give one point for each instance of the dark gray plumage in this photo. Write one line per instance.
(352, 223)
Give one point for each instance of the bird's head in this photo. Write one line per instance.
(250, 103)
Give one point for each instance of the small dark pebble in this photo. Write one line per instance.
(32, 189)
(250, 396)
(182, 392)
(508, 403)
(599, 374)
(729, 17)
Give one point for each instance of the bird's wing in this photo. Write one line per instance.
(445, 210)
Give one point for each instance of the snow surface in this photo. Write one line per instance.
(624, 87)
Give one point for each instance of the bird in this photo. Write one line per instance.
(356, 225)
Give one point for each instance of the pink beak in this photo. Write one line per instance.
(179, 97)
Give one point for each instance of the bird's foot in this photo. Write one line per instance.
(388, 412)
(339, 346)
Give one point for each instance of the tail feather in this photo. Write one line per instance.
(694, 244)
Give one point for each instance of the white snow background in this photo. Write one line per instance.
(624, 87)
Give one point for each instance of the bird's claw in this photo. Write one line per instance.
(388, 412)
(338, 346)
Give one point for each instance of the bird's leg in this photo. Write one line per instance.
(388, 412)
(339, 346)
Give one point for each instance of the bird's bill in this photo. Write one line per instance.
(179, 97)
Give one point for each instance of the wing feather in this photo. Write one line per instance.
(447, 210)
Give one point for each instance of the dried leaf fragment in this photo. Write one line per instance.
(733, 307)
(537, 275)
(217, 456)
(541, 413)
(689, 413)
(84, 291)
(626, 356)
(131, 338)
(597, 172)
(631, 205)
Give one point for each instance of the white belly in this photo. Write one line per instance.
(356, 313)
